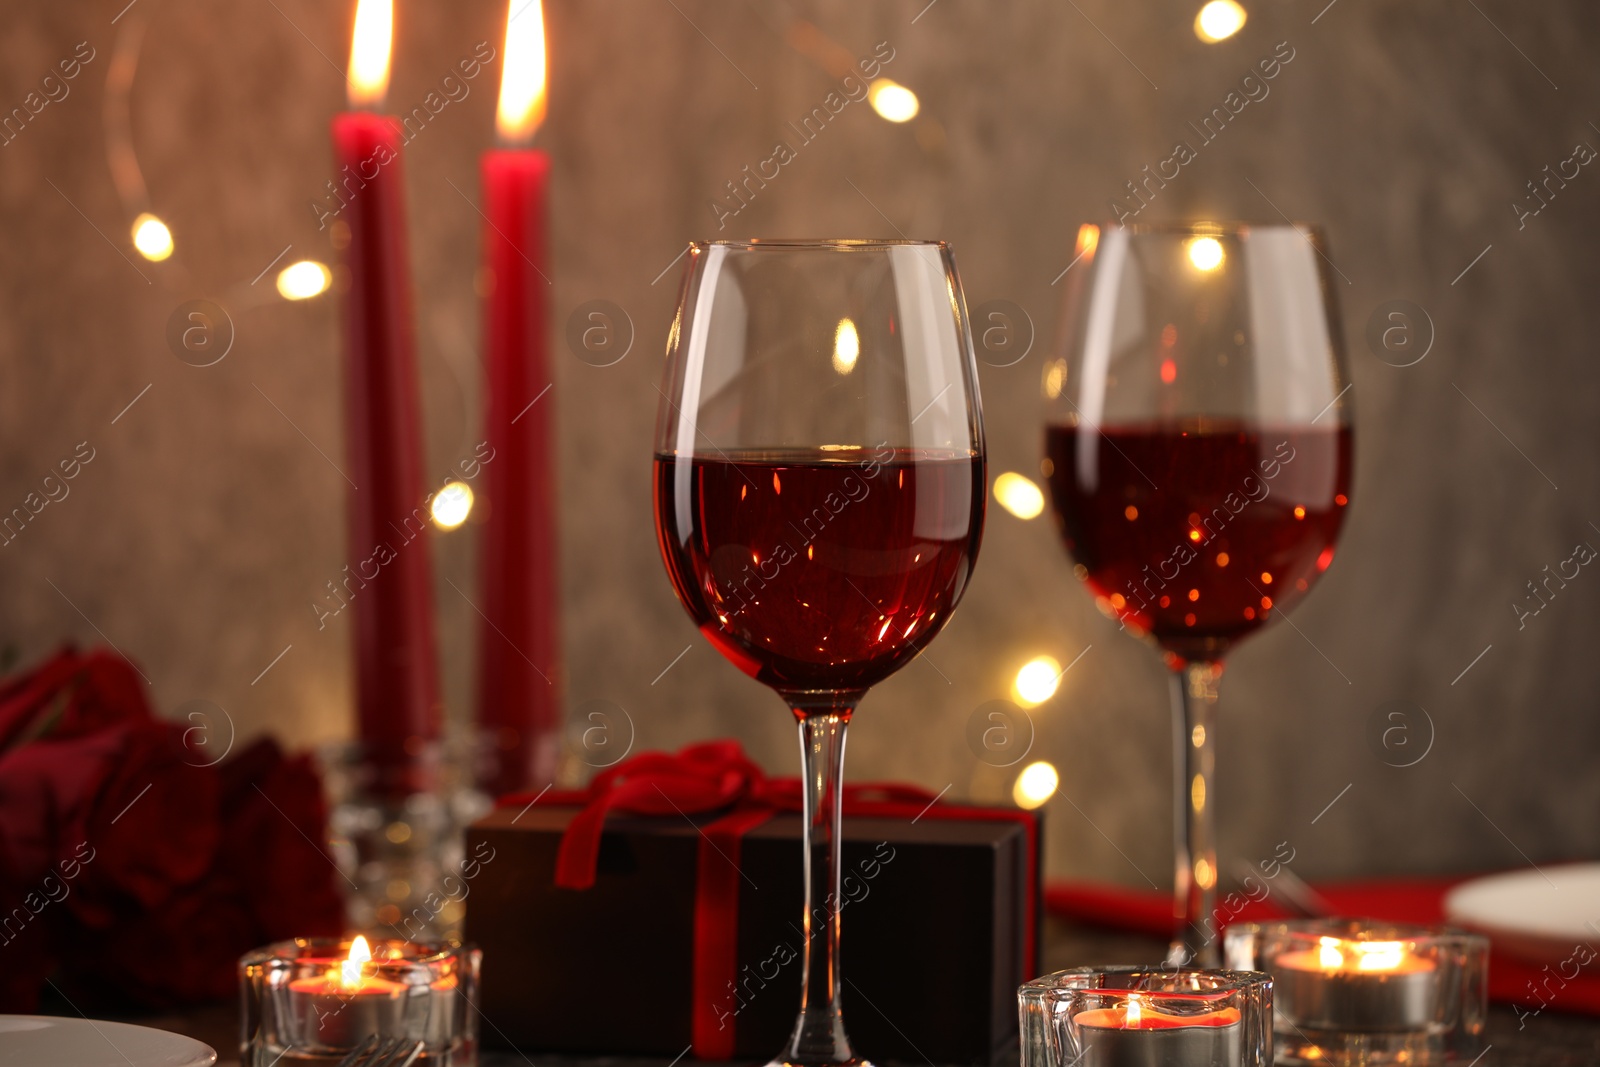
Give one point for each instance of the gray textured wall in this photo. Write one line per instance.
(199, 535)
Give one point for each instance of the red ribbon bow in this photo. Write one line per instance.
(707, 777)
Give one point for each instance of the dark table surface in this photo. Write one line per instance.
(1549, 1039)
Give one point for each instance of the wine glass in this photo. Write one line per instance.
(819, 499)
(1198, 451)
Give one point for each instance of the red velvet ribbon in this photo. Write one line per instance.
(716, 775)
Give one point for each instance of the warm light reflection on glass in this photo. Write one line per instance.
(525, 76)
(1219, 20)
(369, 53)
(893, 101)
(1055, 376)
(350, 968)
(1036, 784)
(1378, 955)
(451, 505)
(1018, 495)
(1205, 253)
(1037, 681)
(846, 347)
(152, 238)
(1088, 238)
(1204, 876)
(304, 280)
(1197, 793)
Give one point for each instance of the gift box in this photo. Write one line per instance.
(687, 936)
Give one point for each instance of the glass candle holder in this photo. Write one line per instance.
(313, 1000)
(402, 855)
(1139, 1017)
(1352, 991)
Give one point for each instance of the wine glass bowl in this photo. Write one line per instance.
(819, 499)
(1198, 452)
(808, 569)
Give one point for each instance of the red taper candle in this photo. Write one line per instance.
(389, 581)
(519, 648)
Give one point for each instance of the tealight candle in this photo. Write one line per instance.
(343, 1007)
(1135, 1035)
(1146, 1017)
(316, 999)
(1357, 986)
(1364, 993)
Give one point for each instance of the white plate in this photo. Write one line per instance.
(42, 1040)
(1540, 915)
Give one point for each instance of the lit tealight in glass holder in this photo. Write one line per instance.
(313, 1000)
(1139, 1017)
(1351, 991)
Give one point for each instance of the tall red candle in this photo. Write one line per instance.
(519, 648)
(388, 582)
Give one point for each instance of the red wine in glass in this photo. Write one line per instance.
(1194, 532)
(820, 569)
(1198, 450)
(819, 496)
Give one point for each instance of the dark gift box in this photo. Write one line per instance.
(690, 934)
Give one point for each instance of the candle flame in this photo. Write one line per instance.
(1135, 1012)
(1329, 955)
(350, 969)
(524, 77)
(370, 44)
(1379, 955)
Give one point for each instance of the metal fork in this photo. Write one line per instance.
(378, 1051)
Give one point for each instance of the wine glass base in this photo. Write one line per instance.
(819, 1041)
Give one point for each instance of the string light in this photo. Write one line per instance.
(1018, 495)
(451, 505)
(1219, 20)
(893, 101)
(1206, 253)
(1037, 681)
(152, 238)
(1036, 784)
(304, 280)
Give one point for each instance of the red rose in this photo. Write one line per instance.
(69, 695)
(27, 955)
(274, 825)
(145, 871)
(184, 952)
(122, 803)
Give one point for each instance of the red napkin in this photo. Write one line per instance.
(1511, 980)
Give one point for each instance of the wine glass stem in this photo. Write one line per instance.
(1194, 700)
(819, 1036)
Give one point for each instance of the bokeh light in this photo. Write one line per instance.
(1019, 495)
(152, 238)
(893, 101)
(1036, 784)
(1205, 253)
(452, 505)
(1037, 681)
(1219, 20)
(304, 280)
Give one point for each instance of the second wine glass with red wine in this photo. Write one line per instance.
(819, 499)
(1198, 452)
